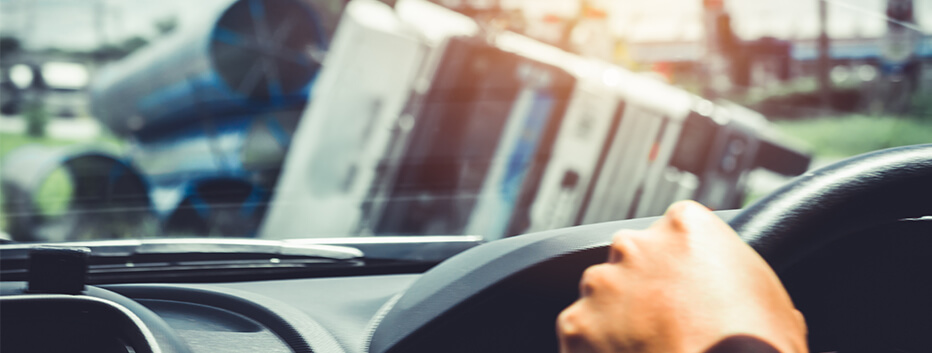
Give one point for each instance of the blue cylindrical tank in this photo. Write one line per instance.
(249, 56)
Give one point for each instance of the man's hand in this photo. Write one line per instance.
(684, 285)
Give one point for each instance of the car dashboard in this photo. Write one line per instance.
(297, 315)
(867, 292)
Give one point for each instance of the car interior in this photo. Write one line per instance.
(414, 176)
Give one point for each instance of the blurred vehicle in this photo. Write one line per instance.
(210, 111)
(59, 86)
(9, 94)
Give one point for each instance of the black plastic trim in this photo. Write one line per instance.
(824, 205)
(444, 289)
(300, 332)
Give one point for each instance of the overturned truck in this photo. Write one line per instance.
(424, 124)
(417, 121)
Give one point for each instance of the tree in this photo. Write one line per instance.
(36, 119)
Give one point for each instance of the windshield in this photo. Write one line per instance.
(285, 119)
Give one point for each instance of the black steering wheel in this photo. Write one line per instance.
(504, 296)
(820, 206)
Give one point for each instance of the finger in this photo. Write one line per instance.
(602, 277)
(685, 216)
(576, 345)
(623, 244)
(591, 278)
(567, 325)
(572, 330)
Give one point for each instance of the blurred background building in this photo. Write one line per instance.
(760, 46)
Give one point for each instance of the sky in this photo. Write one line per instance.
(646, 20)
(71, 24)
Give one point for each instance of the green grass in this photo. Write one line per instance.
(782, 89)
(9, 142)
(839, 137)
(54, 194)
(833, 138)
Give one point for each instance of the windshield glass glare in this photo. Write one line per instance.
(283, 119)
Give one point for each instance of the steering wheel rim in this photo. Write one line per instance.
(823, 205)
(430, 313)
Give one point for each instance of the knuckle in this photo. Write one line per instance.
(593, 274)
(623, 243)
(570, 323)
(566, 318)
(593, 278)
(682, 215)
